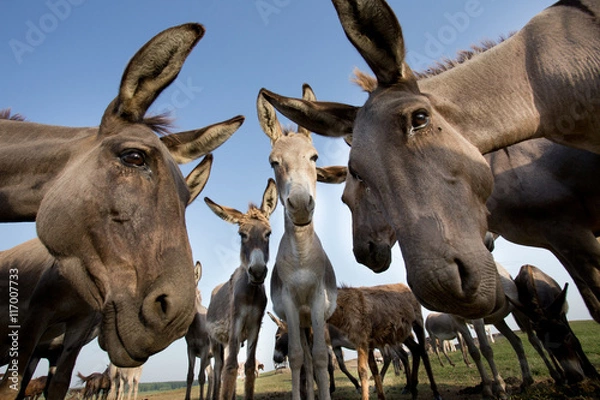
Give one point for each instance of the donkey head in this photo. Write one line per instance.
(115, 216)
(543, 301)
(254, 230)
(280, 352)
(293, 159)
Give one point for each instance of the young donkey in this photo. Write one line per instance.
(236, 308)
(303, 285)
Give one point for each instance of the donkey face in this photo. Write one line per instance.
(543, 301)
(115, 215)
(293, 159)
(254, 230)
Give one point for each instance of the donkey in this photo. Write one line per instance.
(96, 193)
(119, 377)
(429, 137)
(544, 302)
(198, 343)
(337, 341)
(35, 388)
(53, 313)
(442, 327)
(527, 176)
(377, 316)
(236, 307)
(96, 384)
(303, 284)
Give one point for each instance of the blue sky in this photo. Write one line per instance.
(62, 62)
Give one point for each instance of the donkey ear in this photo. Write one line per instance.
(324, 118)
(198, 272)
(267, 117)
(269, 201)
(308, 95)
(372, 27)
(225, 213)
(559, 305)
(152, 69)
(188, 146)
(281, 324)
(196, 180)
(333, 174)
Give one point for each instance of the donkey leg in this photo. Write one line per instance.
(376, 376)
(486, 382)
(421, 342)
(363, 375)
(485, 348)
(250, 367)
(517, 345)
(230, 368)
(190, 373)
(340, 359)
(320, 354)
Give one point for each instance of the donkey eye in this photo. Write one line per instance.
(314, 158)
(133, 158)
(274, 163)
(420, 119)
(244, 235)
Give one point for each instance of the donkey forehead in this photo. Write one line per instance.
(292, 146)
(254, 220)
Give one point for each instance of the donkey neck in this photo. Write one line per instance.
(487, 101)
(301, 239)
(543, 81)
(31, 157)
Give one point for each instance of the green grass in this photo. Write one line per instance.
(451, 381)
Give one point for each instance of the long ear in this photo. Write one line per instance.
(333, 174)
(267, 117)
(269, 201)
(324, 118)
(198, 272)
(281, 324)
(372, 27)
(190, 145)
(152, 69)
(559, 305)
(225, 213)
(308, 95)
(196, 180)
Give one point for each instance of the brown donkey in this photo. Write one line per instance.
(373, 317)
(428, 137)
(53, 316)
(96, 194)
(237, 307)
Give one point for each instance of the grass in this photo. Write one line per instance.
(453, 382)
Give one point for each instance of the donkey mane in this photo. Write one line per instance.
(368, 83)
(5, 114)
(160, 124)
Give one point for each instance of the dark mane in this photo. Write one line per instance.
(160, 123)
(368, 83)
(5, 114)
(461, 57)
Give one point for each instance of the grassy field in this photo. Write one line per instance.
(454, 383)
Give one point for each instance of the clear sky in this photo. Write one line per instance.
(62, 62)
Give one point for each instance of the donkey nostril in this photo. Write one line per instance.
(162, 304)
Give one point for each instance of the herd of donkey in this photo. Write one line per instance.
(530, 104)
